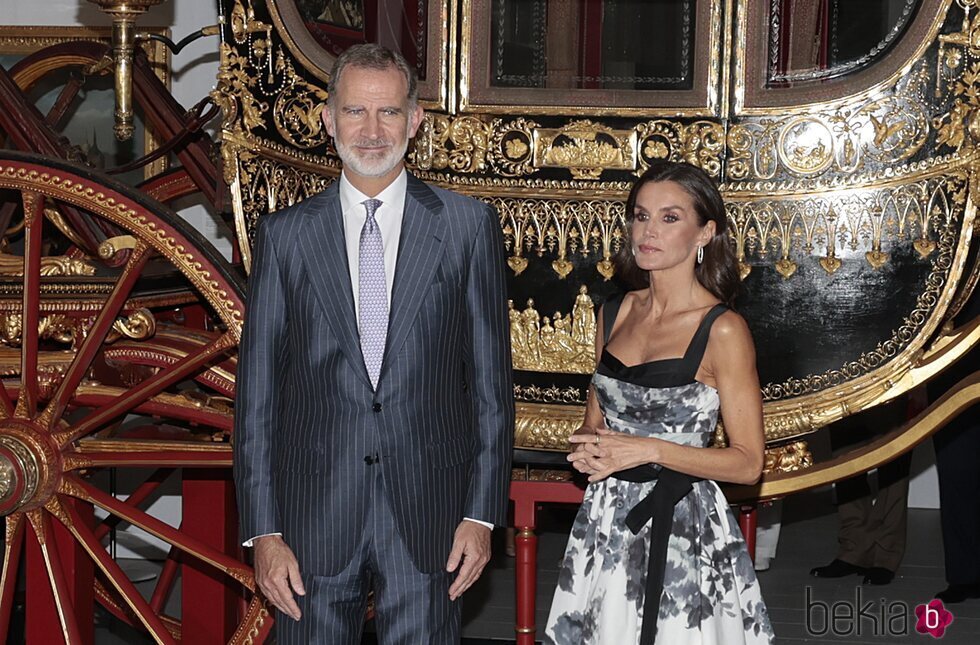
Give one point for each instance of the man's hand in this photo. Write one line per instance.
(471, 546)
(277, 574)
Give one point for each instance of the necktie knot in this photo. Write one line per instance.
(371, 206)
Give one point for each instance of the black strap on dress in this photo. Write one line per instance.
(671, 487)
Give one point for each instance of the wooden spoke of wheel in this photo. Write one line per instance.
(164, 405)
(11, 561)
(93, 341)
(134, 499)
(86, 538)
(75, 487)
(41, 523)
(165, 581)
(182, 369)
(106, 598)
(31, 311)
(176, 454)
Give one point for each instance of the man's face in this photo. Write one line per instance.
(371, 121)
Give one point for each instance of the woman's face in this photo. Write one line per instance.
(666, 232)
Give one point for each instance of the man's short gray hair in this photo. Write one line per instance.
(376, 57)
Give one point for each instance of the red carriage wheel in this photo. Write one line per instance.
(60, 411)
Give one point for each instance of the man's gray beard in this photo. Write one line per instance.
(376, 168)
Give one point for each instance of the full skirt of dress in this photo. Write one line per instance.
(711, 595)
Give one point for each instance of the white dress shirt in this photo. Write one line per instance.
(389, 217)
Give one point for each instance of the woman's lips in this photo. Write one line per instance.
(647, 249)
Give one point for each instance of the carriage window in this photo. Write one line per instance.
(398, 24)
(593, 44)
(811, 40)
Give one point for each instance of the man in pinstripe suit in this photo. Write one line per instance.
(374, 412)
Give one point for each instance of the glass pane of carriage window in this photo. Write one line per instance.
(812, 40)
(593, 44)
(398, 24)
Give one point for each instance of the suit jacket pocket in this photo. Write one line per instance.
(443, 454)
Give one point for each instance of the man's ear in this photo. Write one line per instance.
(327, 119)
(415, 120)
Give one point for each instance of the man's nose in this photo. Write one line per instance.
(371, 126)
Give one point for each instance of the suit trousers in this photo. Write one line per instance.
(872, 530)
(957, 458)
(411, 608)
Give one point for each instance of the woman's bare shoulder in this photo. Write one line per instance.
(730, 327)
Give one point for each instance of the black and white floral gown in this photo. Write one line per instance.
(710, 592)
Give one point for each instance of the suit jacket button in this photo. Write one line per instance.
(376, 407)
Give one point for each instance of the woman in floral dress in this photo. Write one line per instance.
(655, 554)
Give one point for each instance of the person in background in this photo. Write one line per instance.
(957, 449)
(872, 524)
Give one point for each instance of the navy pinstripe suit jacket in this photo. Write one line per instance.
(306, 415)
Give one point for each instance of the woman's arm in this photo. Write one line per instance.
(730, 360)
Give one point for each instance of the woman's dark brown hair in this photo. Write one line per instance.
(718, 273)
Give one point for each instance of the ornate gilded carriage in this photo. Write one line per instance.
(848, 177)
(844, 142)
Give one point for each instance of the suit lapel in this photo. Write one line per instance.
(324, 252)
(419, 253)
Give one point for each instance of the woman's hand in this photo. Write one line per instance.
(603, 452)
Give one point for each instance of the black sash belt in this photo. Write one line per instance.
(671, 488)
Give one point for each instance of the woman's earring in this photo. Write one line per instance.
(633, 249)
(700, 254)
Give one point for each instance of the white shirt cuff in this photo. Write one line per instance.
(480, 522)
(250, 542)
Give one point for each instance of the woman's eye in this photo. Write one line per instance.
(641, 217)
(670, 217)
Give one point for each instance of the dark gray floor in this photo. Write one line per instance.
(808, 539)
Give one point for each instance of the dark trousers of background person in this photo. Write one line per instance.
(872, 526)
(958, 466)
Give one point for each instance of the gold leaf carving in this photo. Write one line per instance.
(546, 426)
(51, 265)
(563, 343)
(787, 458)
(585, 148)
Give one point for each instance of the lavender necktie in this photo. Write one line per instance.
(372, 294)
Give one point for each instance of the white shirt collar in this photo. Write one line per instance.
(393, 195)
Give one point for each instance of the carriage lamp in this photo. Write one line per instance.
(124, 14)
